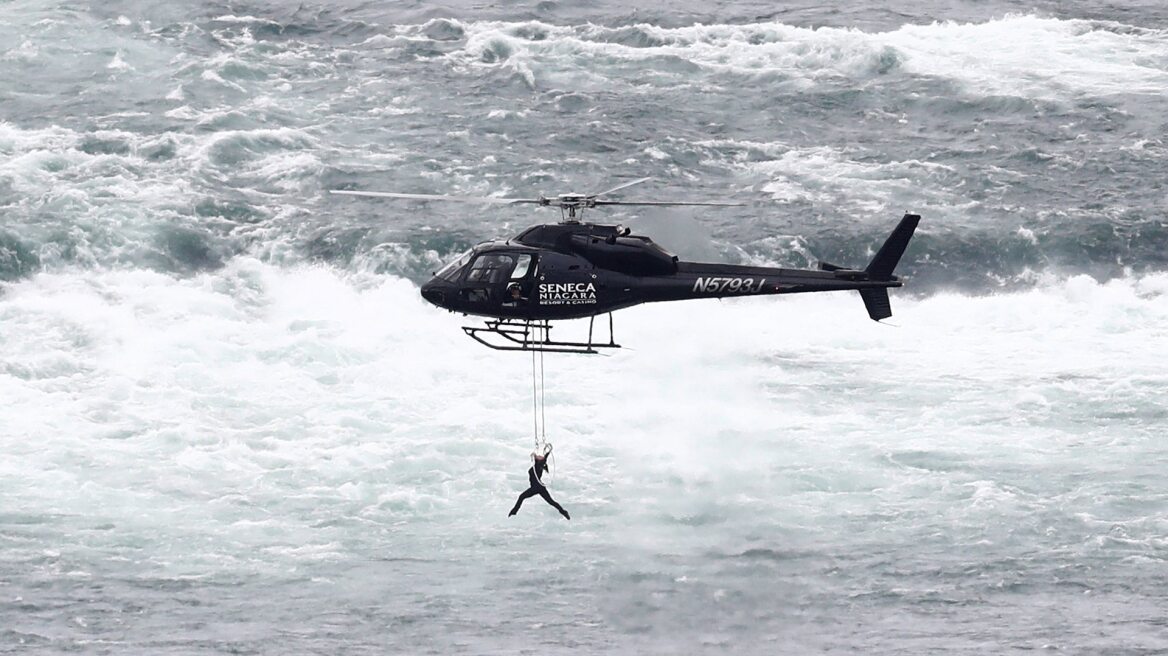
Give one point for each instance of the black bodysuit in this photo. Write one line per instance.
(537, 487)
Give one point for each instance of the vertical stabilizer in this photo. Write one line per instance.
(881, 266)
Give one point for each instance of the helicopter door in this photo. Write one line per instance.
(486, 281)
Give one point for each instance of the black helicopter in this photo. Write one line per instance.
(576, 270)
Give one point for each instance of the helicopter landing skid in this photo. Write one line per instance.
(535, 336)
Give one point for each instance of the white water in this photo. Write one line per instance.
(257, 455)
(290, 425)
(118, 378)
(1017, 55)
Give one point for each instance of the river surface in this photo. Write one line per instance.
(232, 425)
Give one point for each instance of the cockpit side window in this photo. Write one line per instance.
(522, 266)
(490, 269)
(452, 271)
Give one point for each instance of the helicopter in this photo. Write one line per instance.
(578, 270)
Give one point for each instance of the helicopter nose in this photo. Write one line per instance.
(435, 292)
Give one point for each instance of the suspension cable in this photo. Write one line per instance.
(543, 401)
(539, 400)
(539, 403)
(534, 404)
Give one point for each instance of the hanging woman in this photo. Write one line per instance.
(534, 476)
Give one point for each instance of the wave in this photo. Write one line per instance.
(179, 201)
(228, 157)
(1019, 55)
(1033, 57)
(592, 56)
(190, 202)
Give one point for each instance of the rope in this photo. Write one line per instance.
(543, 399)
(534, 404)
(539, 412)
(538, 399)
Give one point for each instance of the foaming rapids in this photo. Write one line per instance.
(232, 424)
(1046, 58)
(158, 390)
(300, 427)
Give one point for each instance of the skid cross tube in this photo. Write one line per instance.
(535, 336)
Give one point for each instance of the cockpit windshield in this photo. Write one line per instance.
(490, 268)
(451, 271)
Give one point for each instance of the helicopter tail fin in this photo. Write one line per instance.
(881, 267)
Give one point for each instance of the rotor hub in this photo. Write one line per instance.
(571, 205)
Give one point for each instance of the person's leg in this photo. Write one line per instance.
(527, 494)
(547, 497)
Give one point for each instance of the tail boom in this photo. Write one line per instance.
(706, 280)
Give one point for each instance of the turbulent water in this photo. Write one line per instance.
(232, 425)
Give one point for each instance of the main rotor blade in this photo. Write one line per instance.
(457, 199)
(619, 187)
(665, 202)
